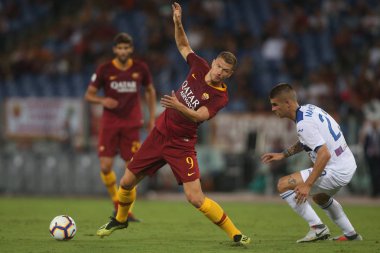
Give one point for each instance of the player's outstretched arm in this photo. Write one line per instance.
(292, 150)
(179, 33)
(270, 157)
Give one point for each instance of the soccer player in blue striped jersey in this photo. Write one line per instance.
(333, 165)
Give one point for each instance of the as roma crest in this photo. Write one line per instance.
(205, 96)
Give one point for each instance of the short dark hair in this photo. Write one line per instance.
(123, 38)
(283, 88)
(229, 58)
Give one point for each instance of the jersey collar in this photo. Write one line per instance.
(223, 88)
(120, 67)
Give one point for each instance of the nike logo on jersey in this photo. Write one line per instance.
(300, 130)
(190, 174)
(193, 75)
(113, 77)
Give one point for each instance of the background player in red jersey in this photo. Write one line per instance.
(121, 79)
(172, 141)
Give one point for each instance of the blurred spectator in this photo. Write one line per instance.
(370, 138)
(273, 45)
(293, 61)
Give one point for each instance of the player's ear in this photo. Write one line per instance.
(287, 102)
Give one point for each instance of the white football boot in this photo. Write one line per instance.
(316, 233)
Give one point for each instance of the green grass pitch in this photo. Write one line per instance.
(173, 226)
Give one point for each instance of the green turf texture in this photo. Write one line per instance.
(173, 226)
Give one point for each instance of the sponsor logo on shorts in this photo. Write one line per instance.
(190, 161)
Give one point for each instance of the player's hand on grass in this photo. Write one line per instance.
(109, 103)
(269, 157)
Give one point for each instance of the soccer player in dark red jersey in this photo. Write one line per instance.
(121, 80)
(173, 139)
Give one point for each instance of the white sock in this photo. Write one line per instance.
(304, 210)
(335, 211)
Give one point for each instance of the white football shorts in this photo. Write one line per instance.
(329, 182)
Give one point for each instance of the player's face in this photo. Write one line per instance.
(220, 70)
(123, 51)
(280, 107)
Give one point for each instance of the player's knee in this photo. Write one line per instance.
(126, 186)
(195, 199)
(105, 170)
(126, 183)
(281, 185)
(105, 166)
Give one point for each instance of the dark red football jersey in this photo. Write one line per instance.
(125, 87)
(194, 93)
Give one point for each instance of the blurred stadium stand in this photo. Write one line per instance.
(328, 49)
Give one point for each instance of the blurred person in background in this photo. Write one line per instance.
(333, 165)
(173, 139)
(370, 139)
(121, 79)
(372, 155)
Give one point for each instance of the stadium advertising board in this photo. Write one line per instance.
(54, 118)
(231, 131)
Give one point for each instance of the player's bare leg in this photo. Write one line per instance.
(127, 195)
(213, 211)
